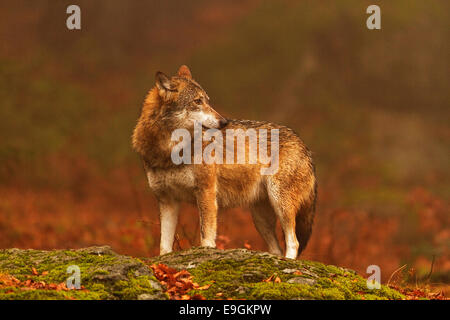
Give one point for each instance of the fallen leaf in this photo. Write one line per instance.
(269, 279)
(205, 287)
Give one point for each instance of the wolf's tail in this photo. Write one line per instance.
(304, 221)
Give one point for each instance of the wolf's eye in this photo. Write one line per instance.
(198, 101)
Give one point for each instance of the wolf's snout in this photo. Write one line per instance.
(223, 122)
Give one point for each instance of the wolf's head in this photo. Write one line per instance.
(184, 101)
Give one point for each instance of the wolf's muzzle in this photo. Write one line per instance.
(222, 123)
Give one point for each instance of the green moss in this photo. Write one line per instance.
(19, 294)
(236, 274)
(287, 291)
(243, 279)
(103, 274)
(135, 287)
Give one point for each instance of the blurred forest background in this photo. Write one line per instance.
(373, 106)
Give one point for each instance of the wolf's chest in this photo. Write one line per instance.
(175, 181)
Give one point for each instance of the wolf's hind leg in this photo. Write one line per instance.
(265, 221)
(287, 221)
(169, 218)
(286, 212)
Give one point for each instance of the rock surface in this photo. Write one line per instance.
(104, 274)
(234, 273)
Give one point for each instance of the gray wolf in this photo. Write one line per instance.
(289, 194)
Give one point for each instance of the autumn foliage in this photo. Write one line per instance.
(178, 283)
(9, 281)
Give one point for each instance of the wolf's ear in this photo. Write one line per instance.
(162, 81)
(184, 72)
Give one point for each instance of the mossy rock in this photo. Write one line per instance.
(104, 274)
(239, 274)
(234, 273)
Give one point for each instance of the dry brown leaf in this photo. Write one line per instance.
(205, 287)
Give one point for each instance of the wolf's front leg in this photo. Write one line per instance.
(207, 205)
(169, 218)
